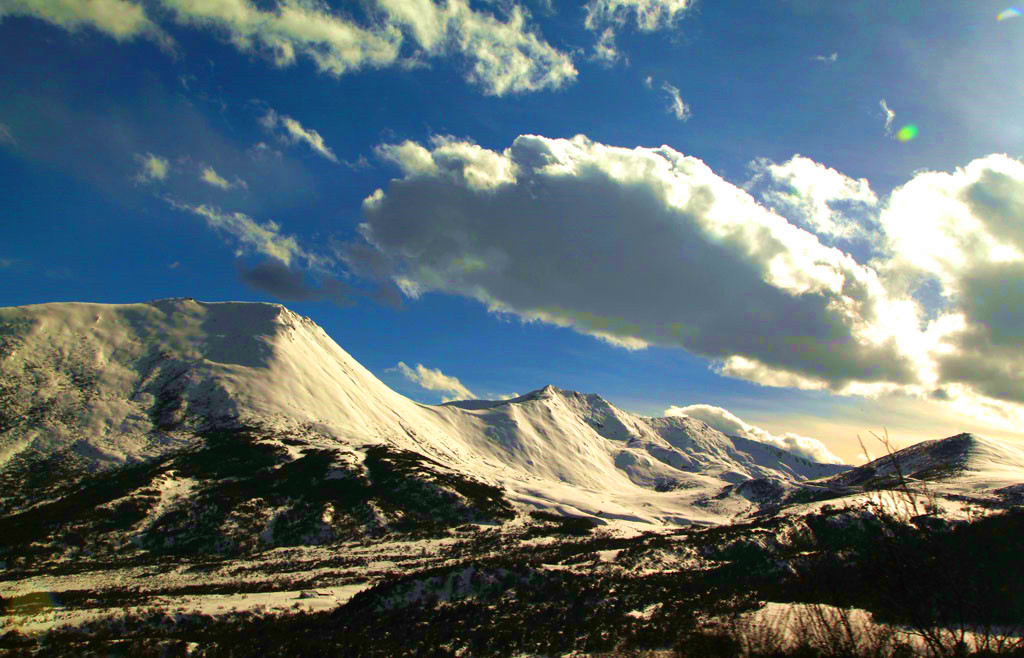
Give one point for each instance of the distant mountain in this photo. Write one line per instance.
(972, 462)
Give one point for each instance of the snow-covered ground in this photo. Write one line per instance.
(213, 605)
(827, 626)
(327, 577)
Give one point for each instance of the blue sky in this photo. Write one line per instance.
(667, 202)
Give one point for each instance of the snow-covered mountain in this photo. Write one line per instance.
(113, 384)
(203, 474)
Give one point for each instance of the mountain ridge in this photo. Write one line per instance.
(109, 384)
(127, 383)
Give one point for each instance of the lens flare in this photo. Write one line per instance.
(907, 133)
(1012, 12)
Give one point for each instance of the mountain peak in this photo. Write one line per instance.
(124, 376)
(552, 391)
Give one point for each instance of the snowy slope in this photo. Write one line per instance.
(123, 383)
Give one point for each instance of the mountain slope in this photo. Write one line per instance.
(107, 384)
(121, 382)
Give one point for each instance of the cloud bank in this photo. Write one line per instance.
(287, 266)
(290, 285)
(632, 246)
(728, 423)
(503, 55)
(963, 233)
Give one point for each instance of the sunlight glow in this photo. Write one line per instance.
(1012, 12)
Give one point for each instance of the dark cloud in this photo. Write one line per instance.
(987, 353)
(992, 297)
(289, 285)
(998, 199)
(995, 378)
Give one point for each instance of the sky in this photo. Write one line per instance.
(800, 221)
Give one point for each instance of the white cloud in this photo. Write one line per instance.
(813, 195)
(676, 106)
(605, 50)
(294, 133)
(647, 246)
(119, 19)
(504, 56)
(210, 176)
(309, 137)
(827, 59)
(262, 152)
(252, 236)
(289, 273)
(728, 423)
(890, 116)
(435, 380)
(608, 16)
(459, 161)
(151, 168)
(648, 15)
(974, 215)
(636, 247)
(305, 27)
(961, 232)
(412, 159)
